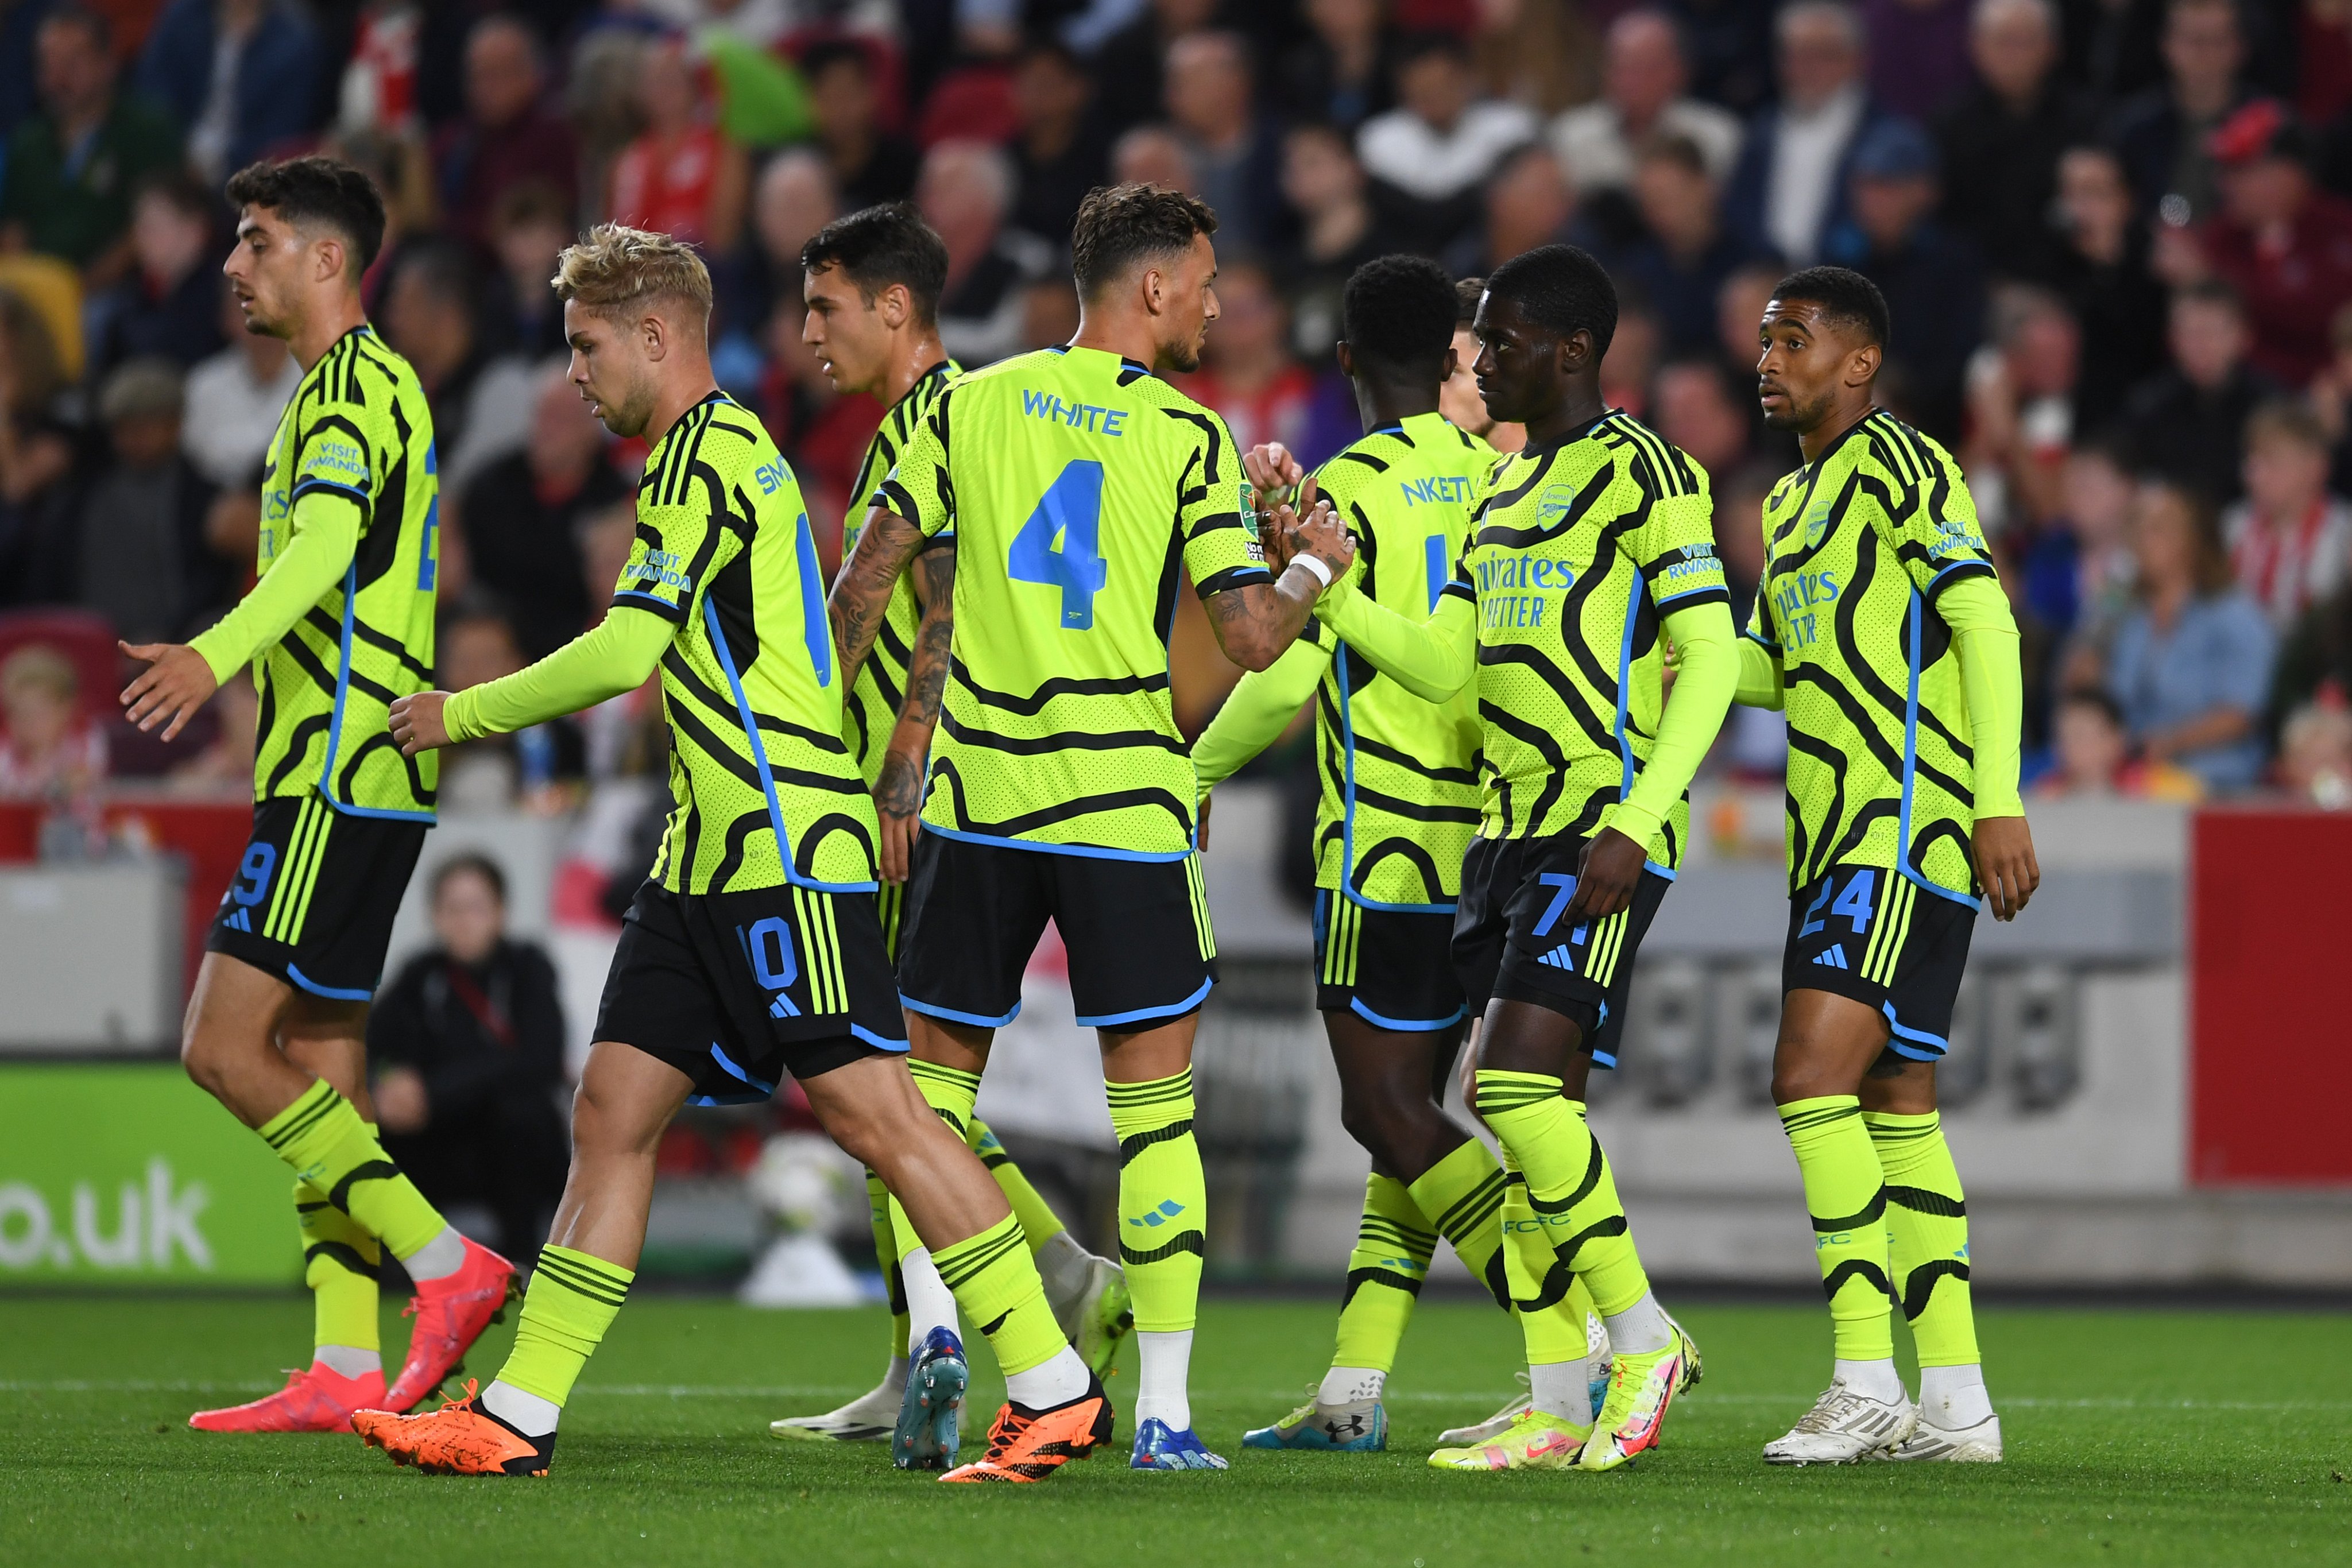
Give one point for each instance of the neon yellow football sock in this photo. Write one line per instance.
(1163, 1200)
(949, 1090)
(885, 1257)
(1568, 1188)
(1463, 1197)
(1845, 1193)
(572, 1300)
(996, 1286)
(323, 1138)
(1928, 1235)
(340, 1263)
(1385, 1272)
(1547, 1296)
(1039, 1223)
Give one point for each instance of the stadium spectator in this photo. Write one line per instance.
(1236, 156)
(2091, 756)
(1526, 203)
(2162, 132)
(791, 199)
(2190, 664)
(1740, 313)
(1685, 254)
(1457, 396)
(2290, 539)
(1246, 371)
(522, 513)
(1933, 278)
(1129, 67)
(1694, 408)
(170, 305)
(48, 750)
(2314, 761)
(239, 392)
(2002, 138)
(1789, 191)
(533, 768)
(683, 175)
(1337, 232)
(869, 162)
(1153, 155)
(481, 405)
(466, 1052)
(965, 191)
(145, 565)
(1059, 157)
(520, 313)
(507, 135)
(2021, 424)
(2281, 242)
(1919, 52)
(1049, 313)
(1344, 71)
(1633, 361)
(71, 169)
(1645, 93)
(2186, 421)
(2102, 269)
(2315, 662)
(240, 76)
(36, 455)
(1428, 156)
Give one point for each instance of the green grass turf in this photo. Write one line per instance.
(2153, 1437)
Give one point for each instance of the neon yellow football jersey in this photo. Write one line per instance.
(766, 790)
(882, 679)
(357, 433)
(1881, 767)
(1074, 486)
(1400, 797)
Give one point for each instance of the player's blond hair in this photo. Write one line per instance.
(618, 271)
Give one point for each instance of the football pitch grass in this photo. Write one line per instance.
(2134, 1436)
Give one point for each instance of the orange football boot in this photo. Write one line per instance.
(455, 1440)
(451, 1313)
(1031, 1445)
(316, 1398)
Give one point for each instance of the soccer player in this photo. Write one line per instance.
(1884, 631)
(753, 950)
(1072, 486)
(1400, 801)
(1589, 548)
(872, 280)
(1458, 399)
(339, 627)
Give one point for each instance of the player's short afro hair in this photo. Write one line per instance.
(1845, 295)
(878, 247)
(1120, 226)
(1561, 289)
(1397, 314)
(316, 190)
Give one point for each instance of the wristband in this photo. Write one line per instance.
(1314, 563)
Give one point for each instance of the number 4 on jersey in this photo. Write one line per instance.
(1071, 511)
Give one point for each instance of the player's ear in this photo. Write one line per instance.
(653, 333)
(1862, 369)
(895, 304)
(1347, 357)
(1453, 364)
(1153, 287)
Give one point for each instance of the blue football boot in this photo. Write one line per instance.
(1359, 1427)
(1160, 1447)
(929, 1412)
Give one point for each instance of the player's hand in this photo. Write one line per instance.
(1272, 472)
(1319, 533)
(174, 684)
(1606, 875)
(1201, 827)
(419, 722)
(2005, 863)
(899, 804)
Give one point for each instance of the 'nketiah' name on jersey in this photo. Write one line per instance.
(1074, 487)
(1576, 551)
(766, 790)
(1400, 798)
(1858, 544)
(358, 433)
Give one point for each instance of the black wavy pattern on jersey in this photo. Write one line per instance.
(1466, 777)
(264, 718)
(689, 836)
(1867, 815)
(1035, 702)
(1171, 572)
(1432, 881)
(730, 858)
(1581, 503)
(718, 707)
(692, 726)
(1418, 810)
(1354, 455)
(1549, 673)
(1517, 492)
(812, 839)
(382, 740)
(379, 547)
(1060, 739)
(298, 746)
(1555, 761)
(729, 596)
(1213, 437)
(1896, 703)
(1944, 827)
(380, 642)
(1920, 1284)
(1656, 466)
(948, 783)
(307, 660)
(893, 648)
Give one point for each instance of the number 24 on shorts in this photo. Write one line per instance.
(1070, 511)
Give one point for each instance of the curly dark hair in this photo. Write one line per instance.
(1561, 290)
(1397, 314)
(1119, 227)
(316, 190)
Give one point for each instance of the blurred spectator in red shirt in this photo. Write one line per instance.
(683, 177)
(2283, 244)
(47, 750)
(508, 134)
(2290, 541)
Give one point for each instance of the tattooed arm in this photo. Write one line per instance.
(861, 594)
(1254, 624)
(899, 792)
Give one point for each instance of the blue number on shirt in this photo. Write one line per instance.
(428, 559)
(1854, 902)
(1435, 567)
(1563, 888)
(1071, 511)
(1812, 925)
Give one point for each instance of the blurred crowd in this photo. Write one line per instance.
(2114, 234)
